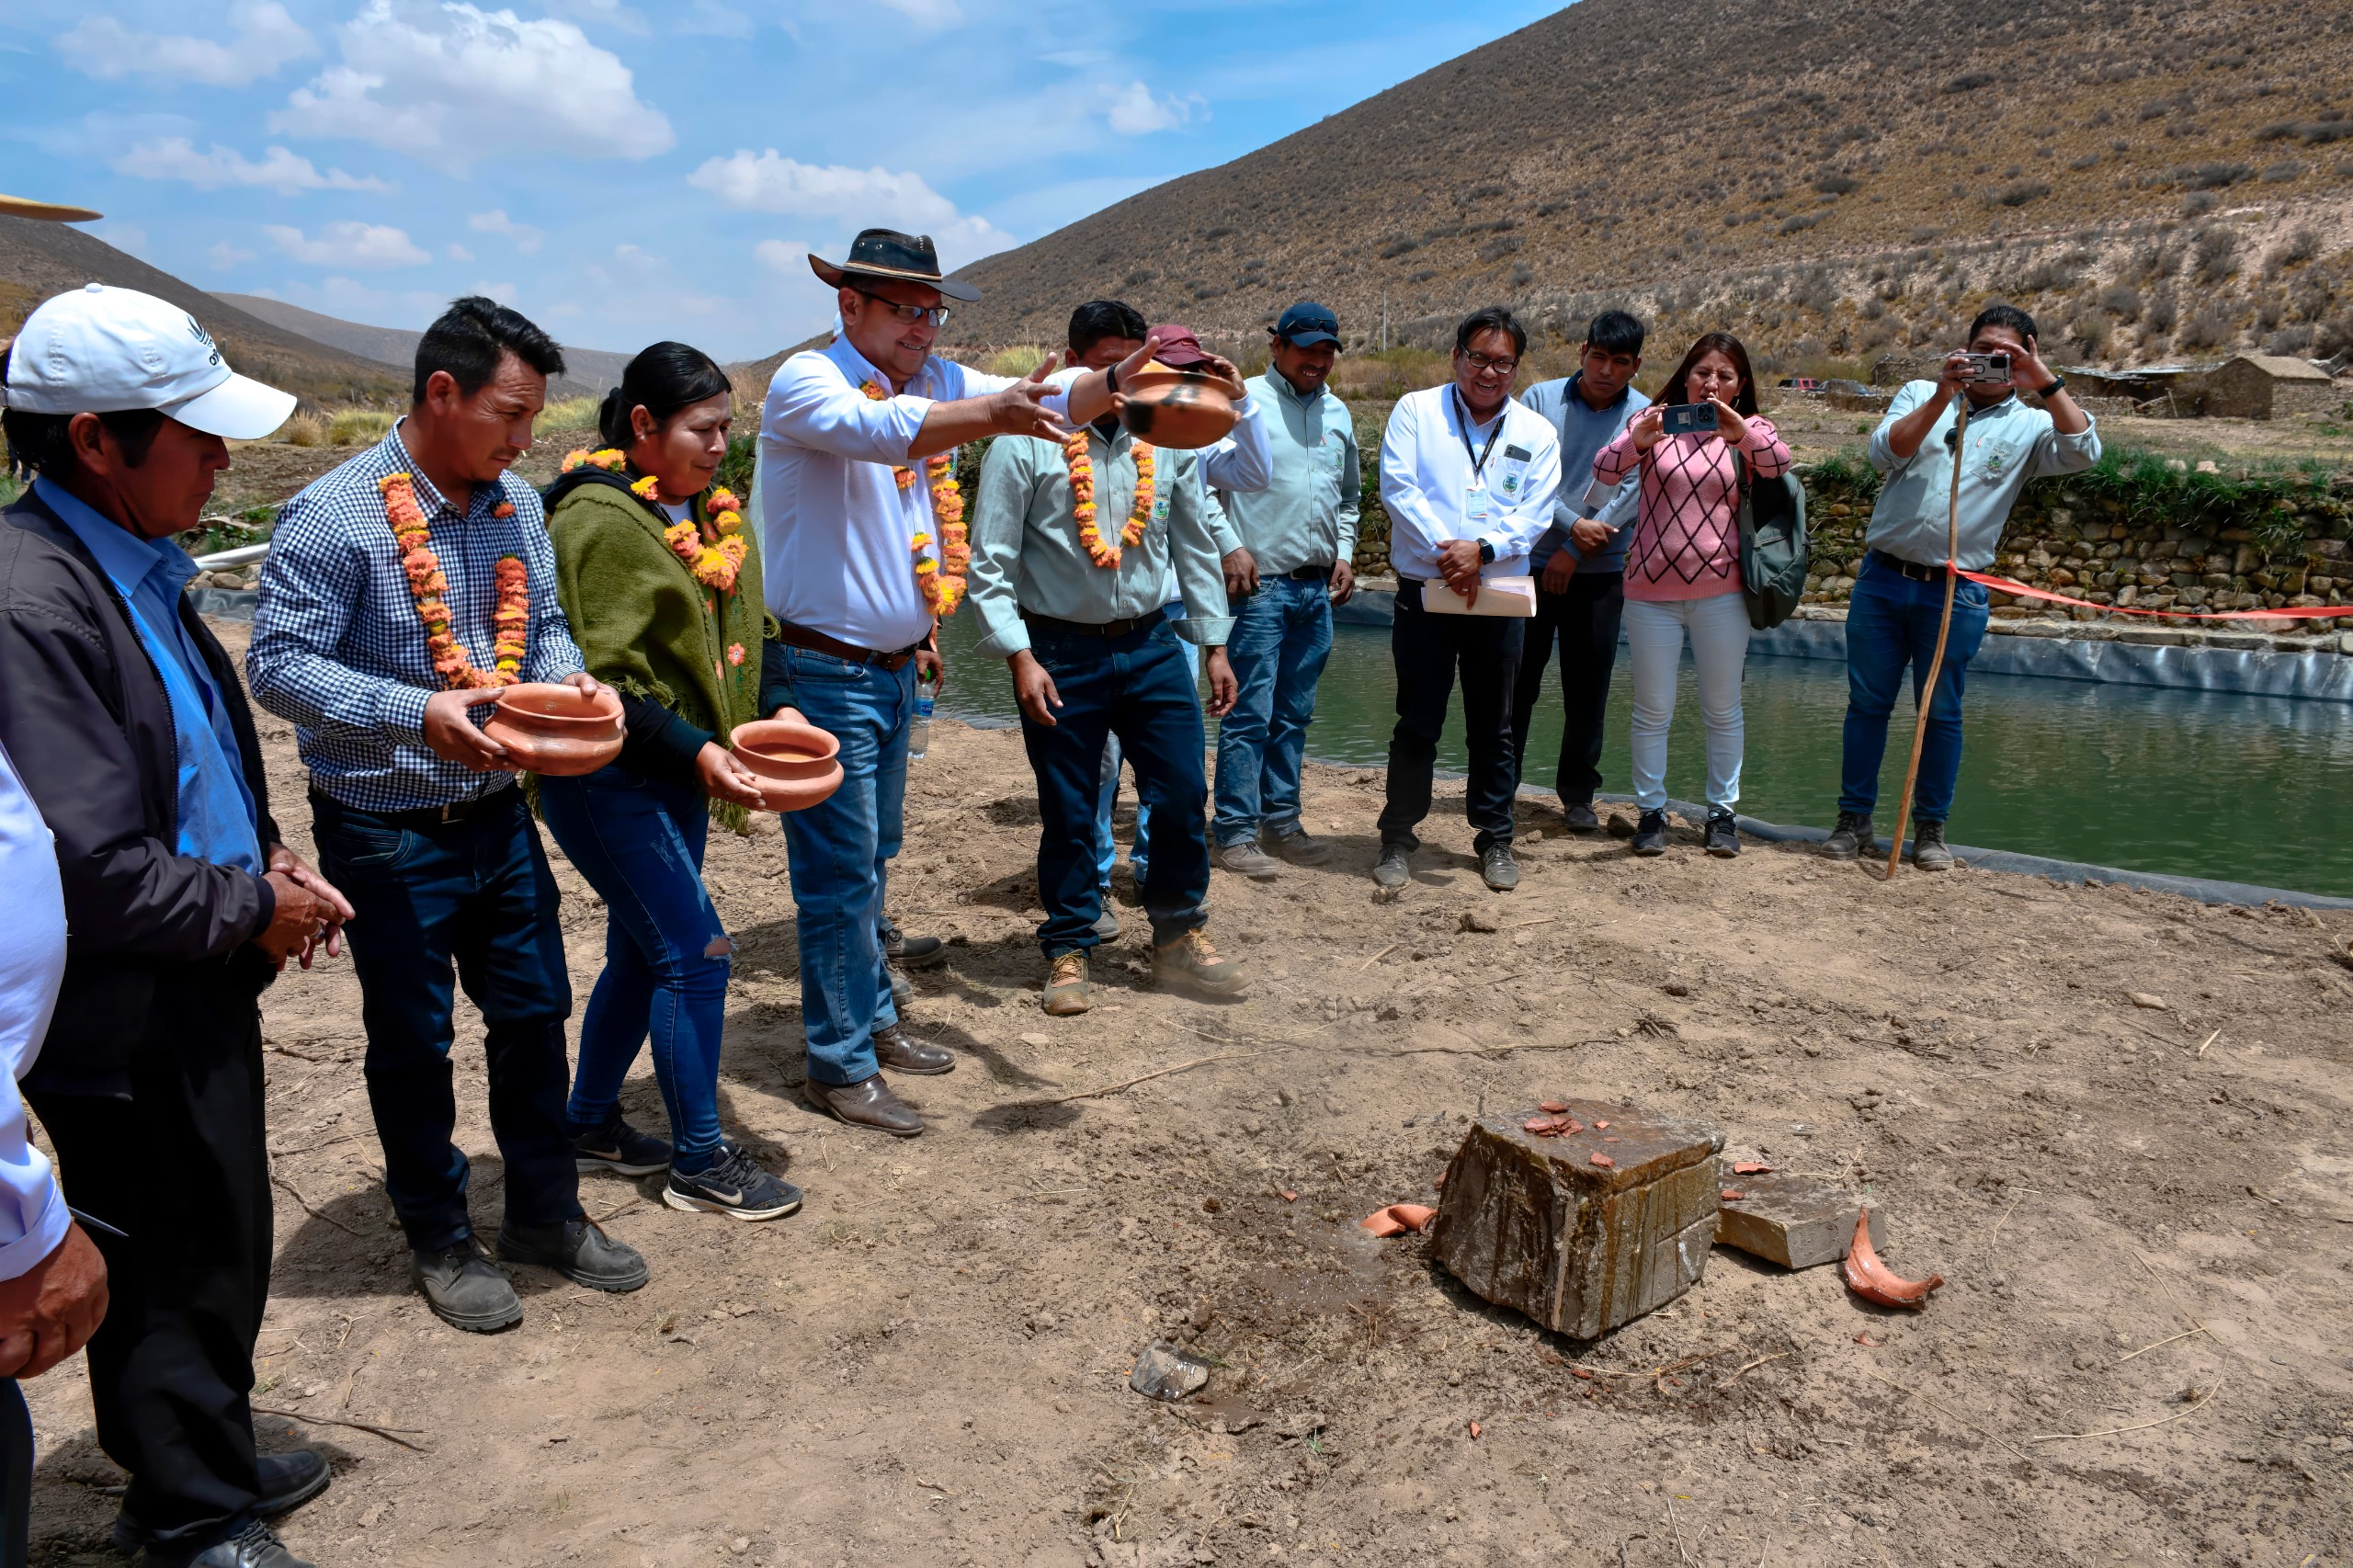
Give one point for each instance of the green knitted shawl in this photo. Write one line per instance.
(644, 625)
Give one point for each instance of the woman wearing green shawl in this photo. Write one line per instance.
(661, 582)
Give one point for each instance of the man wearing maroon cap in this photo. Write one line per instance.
(1239, 463)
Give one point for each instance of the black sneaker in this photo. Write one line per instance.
(1391, 871)
(911, 952)
(618, 1146)
(734, 1186)
(1929, 852)
(288, 1480)
(1723, 835)
(1851, 839)
(1299, 847)
(1497, 869)
(1582, 818)
(577, 1249)
(464, 1289)
(1650, 835)
(254, 1546)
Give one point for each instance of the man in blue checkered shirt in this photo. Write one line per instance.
(416, 812)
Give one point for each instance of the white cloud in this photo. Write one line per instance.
(930, 14)
(1135, 112)
(175, 157)
(267, 38)
(448, 83)
(853, 198)
(611, 13)
(496, 222)
(505, 293)
(708, 18)
(225, 256)
(348, 244)
(457, 251)
(788, 257)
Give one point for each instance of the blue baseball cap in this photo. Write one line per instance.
(1308, 322)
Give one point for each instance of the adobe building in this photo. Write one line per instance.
(2267, 386)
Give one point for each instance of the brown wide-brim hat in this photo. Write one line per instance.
(891, 256)
(47, 211)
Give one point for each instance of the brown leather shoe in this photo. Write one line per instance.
(868, 1103)
(900, 1053)
(1067, 992)
(1191, 962)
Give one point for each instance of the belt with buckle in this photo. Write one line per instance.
(1108, 629)
(1311, 574)
(501, 799)
(1911, 569)
(818, 642)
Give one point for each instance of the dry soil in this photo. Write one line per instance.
(2143, 1213)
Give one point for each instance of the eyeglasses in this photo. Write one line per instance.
(1481, 364)
(906, 316)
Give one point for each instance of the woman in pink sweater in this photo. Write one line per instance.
(1683, 572)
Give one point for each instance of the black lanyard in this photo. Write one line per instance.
(1478, 459)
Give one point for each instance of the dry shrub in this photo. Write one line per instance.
(1017, 360)
(359, 426)
(307, 430)
(571, 414)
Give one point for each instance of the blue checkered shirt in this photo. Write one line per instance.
(337, 648)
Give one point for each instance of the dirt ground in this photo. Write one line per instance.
(2144, 1214)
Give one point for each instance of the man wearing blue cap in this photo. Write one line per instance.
(1289, 551)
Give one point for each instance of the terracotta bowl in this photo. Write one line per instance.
(798, 764)
(557, 730)
(1180, 409)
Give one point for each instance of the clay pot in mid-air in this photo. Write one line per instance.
(559, 731)
(799, 763)
(1180, 409)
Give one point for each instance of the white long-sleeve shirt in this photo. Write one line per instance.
(1427, 455)
(33, 1218)
(835, 526)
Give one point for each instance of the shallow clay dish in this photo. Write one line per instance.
(798, 764)
(1180, 409)
(560, 731)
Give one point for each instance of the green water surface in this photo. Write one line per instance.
(2243, 789)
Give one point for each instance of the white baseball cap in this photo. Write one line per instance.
(102, 350)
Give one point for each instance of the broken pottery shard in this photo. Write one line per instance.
(1797, 1221)
(1529, 1224)
(1163, 1371)
(2154, 1004)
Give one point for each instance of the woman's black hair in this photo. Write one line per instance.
(662, 379)
(1726, 343)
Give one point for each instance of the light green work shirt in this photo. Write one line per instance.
(1027, 555)
(1307, 514)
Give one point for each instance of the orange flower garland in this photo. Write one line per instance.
(715, 557)
(510, 622)
(1082, 492)
(941, 579)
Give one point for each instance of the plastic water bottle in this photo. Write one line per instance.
(919, 734)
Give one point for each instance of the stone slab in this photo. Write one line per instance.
(1797, 1221)
(1531, 1223)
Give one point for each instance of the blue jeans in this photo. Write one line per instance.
(640, 841)
(1141, 688)
(840, 851)
(1891, 622)
(469, 901)
(1281, 639)
(1139, 854)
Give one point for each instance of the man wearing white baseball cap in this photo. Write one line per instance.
(126, 720)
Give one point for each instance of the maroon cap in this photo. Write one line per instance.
(1179, 348)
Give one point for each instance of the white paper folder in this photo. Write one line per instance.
(1511, 596)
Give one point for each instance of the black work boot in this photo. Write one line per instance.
(577, 1249)
(1851, 839)
(464, 1289)
(1928, 851)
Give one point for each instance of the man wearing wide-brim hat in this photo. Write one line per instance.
(126, 720)
(860, 527)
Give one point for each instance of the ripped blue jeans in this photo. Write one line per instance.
(640, 842)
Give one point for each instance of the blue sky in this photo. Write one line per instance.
(625, 170)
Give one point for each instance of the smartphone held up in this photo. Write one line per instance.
(1988, 370)
(1687, 419)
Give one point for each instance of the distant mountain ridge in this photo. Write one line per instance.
(587, 373)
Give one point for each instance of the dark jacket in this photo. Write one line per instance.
(83, 716)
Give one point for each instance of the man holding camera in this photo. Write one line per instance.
(1894, 615)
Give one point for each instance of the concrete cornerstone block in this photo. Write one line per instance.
(1532, 1222)
(1794, 1221)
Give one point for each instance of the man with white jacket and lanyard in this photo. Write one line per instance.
(838, 536)
(1467, 477)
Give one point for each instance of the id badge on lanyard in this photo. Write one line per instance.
(1478, 509)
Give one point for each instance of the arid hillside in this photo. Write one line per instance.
(39, 259)
(1831, 180)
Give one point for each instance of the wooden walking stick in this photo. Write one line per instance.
(1944, 630)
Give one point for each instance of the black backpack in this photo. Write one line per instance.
(1773, 550)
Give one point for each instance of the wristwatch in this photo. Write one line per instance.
(2058, 384)
(1486, 554)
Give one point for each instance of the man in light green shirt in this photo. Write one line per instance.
(1289, 551)
(1093, 655)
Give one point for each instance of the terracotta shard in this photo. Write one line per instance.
(1474, 1431)
(1555, 1106)
(1603, 1125)
(1602, 1160)
(1732, 1195)
(1749, 1168)
(1398, 1218)
(1537, 1125)
(1869, 1278)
